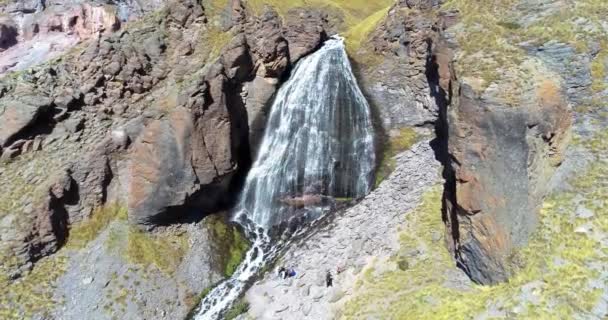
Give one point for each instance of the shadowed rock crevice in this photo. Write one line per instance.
(496, 165)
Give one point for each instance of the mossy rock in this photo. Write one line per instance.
(402, 139)
(237, 309)
(229, 242)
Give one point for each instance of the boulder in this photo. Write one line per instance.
(161, 169)
(304, 32)
(16, 116)
(8, 33)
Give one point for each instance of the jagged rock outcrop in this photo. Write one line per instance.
(124, 121)
(33, 32)
(402, 96)
(215, 137)
(500, 144)
(502, 147)
(502, 158)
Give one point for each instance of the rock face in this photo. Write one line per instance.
(502, 154)
(195, 158)
(402, 96)
(8, 33)
(502, 158)
(32, 32)
(16, 116)
(146, 117)
(500, 145)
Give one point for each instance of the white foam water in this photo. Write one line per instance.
(318, 145)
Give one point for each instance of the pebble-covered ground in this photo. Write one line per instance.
(362, 234)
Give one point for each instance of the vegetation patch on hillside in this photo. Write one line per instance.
(358, 34)
(84, 232)
(230, 244)
(493, 34)
(237, 309)
(402, 140)
(165, 252)
(32, 294)
(353, 11)
(554, 274)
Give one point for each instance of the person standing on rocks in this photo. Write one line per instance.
(329, 280)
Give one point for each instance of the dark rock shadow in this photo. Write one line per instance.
(440, 145)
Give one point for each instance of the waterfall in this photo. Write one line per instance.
(317, 147)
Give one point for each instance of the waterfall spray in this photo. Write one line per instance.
(318, 146)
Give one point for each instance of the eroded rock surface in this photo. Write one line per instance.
(34, 32)
(504, 139)
(152, 117)
(405, 95)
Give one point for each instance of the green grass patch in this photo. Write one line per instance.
(558, 259)
(357, 19)
(33, 293)
(403, 140)
(231, 245)
(360, 32)
(84, 232)
(163, 251)
(352, 11)
(193, 301)
(237, 309)
(598, 69)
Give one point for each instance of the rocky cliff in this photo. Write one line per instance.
(515, 90)
(139, 119)
(154, 118)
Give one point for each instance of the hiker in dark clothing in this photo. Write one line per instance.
(282, 273)
(329, 280)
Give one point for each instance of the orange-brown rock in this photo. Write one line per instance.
(501, 158)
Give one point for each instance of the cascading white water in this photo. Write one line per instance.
(318, 145)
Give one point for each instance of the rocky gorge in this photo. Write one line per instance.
(127, 129)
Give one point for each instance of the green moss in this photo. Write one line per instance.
(230, 242)
(163, 251)
(404, 139)
(558, 258)
(84, 232)
(237, 309)
(33, 293)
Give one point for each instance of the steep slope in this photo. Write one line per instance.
(517, 67)
(515, 90)
(136, 130)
